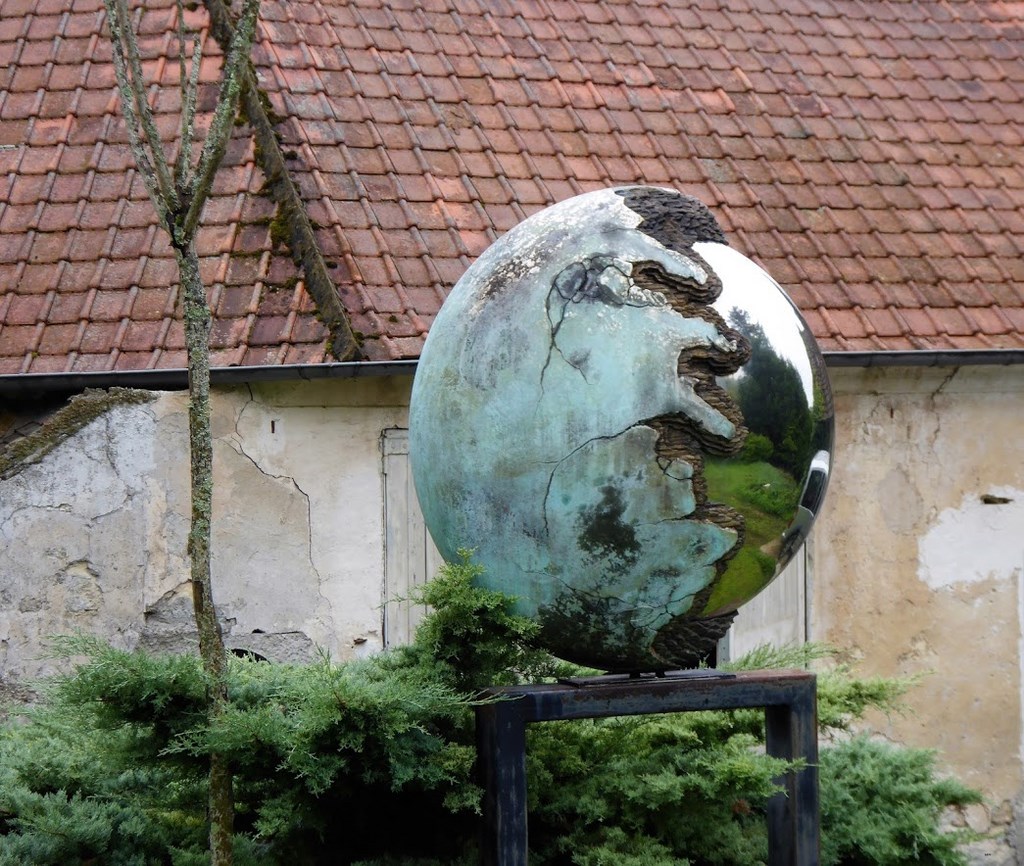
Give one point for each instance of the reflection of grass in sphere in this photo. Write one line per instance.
(767, 498)
(778, 500)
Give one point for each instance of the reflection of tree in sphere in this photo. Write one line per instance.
(771, 397)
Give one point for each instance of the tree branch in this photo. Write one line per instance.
(126, 91)
(224, 116)
(145, 115)
(189, 83)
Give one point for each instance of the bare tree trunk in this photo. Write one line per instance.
(178, 194)
(197, 329)
(211, 640)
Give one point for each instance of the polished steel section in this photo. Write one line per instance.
(778, 480)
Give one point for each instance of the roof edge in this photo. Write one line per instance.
(926, 358)
(177, 379)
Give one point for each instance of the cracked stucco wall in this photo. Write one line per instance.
(920, 553)
(93, 536)
(67, 559)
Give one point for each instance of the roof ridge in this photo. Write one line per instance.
(284, 191)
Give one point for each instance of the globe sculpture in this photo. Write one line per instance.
(627, 421)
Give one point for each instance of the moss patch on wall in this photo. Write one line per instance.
(80, 411)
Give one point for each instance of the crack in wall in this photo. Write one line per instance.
(932, 435)
(64, 508)
(236, 445)
(309, 540)
(945, 382)
(167, 597)
(111, 461)
(242, 410)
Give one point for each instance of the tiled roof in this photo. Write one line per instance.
(869, 155)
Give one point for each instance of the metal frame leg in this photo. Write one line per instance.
(791, 732)
(501, 761)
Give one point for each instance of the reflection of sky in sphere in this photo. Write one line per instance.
(770, 308)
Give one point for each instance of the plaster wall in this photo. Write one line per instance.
(920, 557)
(93, 536)
(919, 553)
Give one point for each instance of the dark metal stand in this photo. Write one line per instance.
(789, 699)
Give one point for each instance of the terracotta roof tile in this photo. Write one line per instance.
(871, 161)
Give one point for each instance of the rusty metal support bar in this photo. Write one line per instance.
(788, 697)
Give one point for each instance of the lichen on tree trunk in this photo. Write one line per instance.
(211, 640)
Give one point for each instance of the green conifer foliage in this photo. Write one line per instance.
(371, 763)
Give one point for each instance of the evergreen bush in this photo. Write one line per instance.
(371, 762)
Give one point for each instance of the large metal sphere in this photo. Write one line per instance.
(627, 420)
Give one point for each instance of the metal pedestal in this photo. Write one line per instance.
(788, 697)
